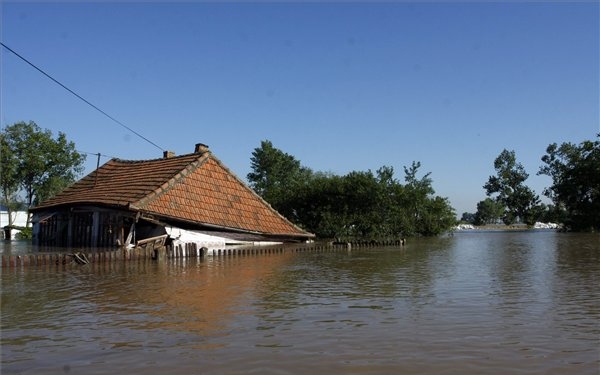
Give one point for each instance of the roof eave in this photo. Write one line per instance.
(168, 220)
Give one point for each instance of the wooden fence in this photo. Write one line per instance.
(191, 250)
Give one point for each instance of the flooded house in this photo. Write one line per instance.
(192, 198)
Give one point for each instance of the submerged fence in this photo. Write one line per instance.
(190, 250)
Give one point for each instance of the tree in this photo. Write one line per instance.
(361, 204)
(488, 211)
(552, 214)
(437, 217)
(36, 164)
(468, 217)
(575, 172)
(417, 190)
(418, 210)
(276, 176)
(386, 212)
(9, 183)
(320, 208)
(508, 184)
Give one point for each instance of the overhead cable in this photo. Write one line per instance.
(96, 154)
(80, 97)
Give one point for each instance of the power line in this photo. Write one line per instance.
(81, 98)
(97, 154)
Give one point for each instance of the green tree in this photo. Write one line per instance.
(488, 211)
(416, 192)
(388, 188)
(508, 184)
(552, 213)
(321, 208)
(437, 217)
(575, 172)
(9, 183)
(277, 176)
(418, 210)
(362, 203)
(468, 217)
(39, 165)
(340, 206)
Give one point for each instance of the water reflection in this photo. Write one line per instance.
(16, 247)
(577, 278)
(192, 295)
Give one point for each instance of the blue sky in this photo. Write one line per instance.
(340, 86)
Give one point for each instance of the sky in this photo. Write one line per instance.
(341, 86)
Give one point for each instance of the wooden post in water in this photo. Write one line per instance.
(161, 253)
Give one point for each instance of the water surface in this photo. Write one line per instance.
(475, 303)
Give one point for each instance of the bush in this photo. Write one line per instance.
(24, 234)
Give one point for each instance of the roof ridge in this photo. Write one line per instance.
(132, 161)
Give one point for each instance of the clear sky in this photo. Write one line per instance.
(340, 86)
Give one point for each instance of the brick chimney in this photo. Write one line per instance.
(168, 154)
(201, 148)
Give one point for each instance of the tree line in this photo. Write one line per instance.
(366, 204)
(358, 205)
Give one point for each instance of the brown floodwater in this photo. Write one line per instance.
(523, 302)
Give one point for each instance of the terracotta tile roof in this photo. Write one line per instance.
(195, 188)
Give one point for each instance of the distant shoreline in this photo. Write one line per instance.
(503, 227)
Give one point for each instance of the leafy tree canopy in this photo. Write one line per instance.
(509, 185)
(36, 164)
(274, 174)
(489, 211)
(575, 173)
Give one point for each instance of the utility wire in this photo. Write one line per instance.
(80, 97)
(97, 154)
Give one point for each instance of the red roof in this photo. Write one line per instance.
(196, 188)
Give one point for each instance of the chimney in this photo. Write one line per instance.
(168, 154)
(201, 148)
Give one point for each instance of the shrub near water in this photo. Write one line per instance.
(24, 233)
